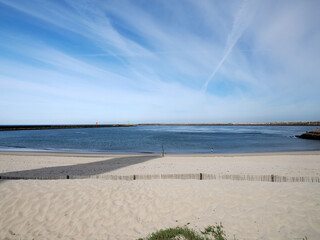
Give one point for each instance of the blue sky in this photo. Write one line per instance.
(159, 61)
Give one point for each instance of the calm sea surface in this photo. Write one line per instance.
(175, 139)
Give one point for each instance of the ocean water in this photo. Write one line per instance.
(175, 139)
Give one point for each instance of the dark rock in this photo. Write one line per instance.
(311, 135)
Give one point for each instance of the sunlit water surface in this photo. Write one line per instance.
(175, 139)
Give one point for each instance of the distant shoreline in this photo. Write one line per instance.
(178, 155)
(70, 126)
(310, 123)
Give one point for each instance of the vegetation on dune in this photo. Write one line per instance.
(214, 232)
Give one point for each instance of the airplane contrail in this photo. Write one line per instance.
(240, 23)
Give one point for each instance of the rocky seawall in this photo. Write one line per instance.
(311, 135)
(40, 127)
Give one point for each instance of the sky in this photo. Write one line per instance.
(158, 61)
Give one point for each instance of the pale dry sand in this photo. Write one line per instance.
(105, 209)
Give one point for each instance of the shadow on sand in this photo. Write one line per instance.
(80, 170)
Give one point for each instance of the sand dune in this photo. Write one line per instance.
(100, 209)
(104, 209)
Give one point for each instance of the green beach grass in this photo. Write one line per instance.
(212, 232)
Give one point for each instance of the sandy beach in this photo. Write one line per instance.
(97, 208)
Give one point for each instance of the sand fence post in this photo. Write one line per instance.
(162, 151)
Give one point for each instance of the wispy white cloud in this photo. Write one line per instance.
(123, 60)
(241, 21)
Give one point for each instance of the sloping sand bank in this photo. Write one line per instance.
(105, 209)
(101, 209)
(59, 165)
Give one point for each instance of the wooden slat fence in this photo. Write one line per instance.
(195, 176)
